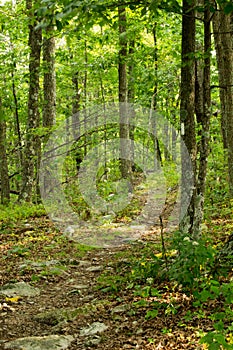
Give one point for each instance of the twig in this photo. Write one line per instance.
(162, 242)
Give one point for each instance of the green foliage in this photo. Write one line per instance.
(215, 341)
(17, 251)
(12, 213)
(148, 267)
(213, 290)
(194, 257)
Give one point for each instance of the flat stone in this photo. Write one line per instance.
(94, 328)
(51, 342)
(39, 264)
(56, 316)
(22, 289)
(120, 309)
(84, 263)
(93, 341)
(80, 286)
(95, 268)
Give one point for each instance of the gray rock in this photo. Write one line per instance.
(51, 318)
(84, 263)
(120, 309)
(94, 328)
(95, 268)
(77, 289)
(51, 342)
(81, 286)
(22, 289)
(39, 264)
(56, 316)
(93, 341)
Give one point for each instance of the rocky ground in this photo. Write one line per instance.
(56, 294)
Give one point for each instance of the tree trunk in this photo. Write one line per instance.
(156, 147)
(204, 122)
(187, 109)
(49, 106)
(76, 105)
(131, 97)
(49, 102)
(224, 49)
(5, 184)
(32, 142)
(122, 76)
(85, 96)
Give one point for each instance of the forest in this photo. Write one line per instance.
(116, 174)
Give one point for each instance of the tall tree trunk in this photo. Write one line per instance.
(76, 105)
(131, 96)
(49, 105)
(49, 102)
(85, 96)
(32, 142)
(204, 121)
(156, 148)
(5, 184)
(154, 100)
(224, 49)
(122, 76)
(16, 108)
(187, 109)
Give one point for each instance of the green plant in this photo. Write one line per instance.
(212, 290)
(216, 340)
(194, 258)
(18, 251)
(148, 267)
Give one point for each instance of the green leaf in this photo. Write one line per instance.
(59, 25)
(151, 314)
(228, 8)
(219, 326)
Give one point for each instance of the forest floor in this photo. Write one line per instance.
(91, 285)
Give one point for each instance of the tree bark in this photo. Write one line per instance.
(187, 110)
(131, 97)
(49, 106)
(76, 105)
(32, 142)
(122, 76)
(203, 120)
(224, 49)
(5, 184)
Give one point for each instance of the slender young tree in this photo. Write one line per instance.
(4, 178)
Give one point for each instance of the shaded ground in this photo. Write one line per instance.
(97, 284)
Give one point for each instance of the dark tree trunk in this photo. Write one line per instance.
(131, 96)
(49, 106)
(5, 184)
(32, 142)
(122, 75)
(76, 105)
(203, 120)
(224, 48)
(156, 148)
(187, 110)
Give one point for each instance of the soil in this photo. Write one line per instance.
(63, 287)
